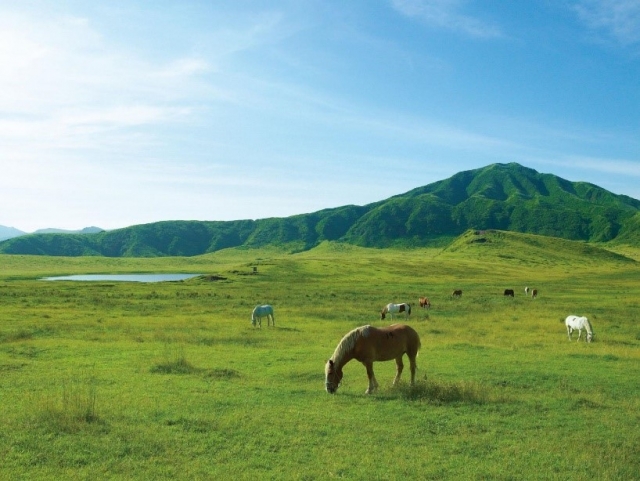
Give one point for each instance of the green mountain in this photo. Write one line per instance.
(501, 196)
(507, 197)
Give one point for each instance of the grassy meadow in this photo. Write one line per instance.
(170, 380)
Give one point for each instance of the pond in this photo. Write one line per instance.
(123, 277)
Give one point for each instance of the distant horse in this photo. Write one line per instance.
(368, 344)
(392, 309)
(425, 302)
(534, 293)
(526, 291)
(509, 292)
(579, 323)
(262, 311)
(457, 293)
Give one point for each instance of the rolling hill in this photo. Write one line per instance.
(507, 197)
(494, 246)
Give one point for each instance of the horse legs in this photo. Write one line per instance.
(373, 384)
(569, 332)
(413, 366)
(399, 368)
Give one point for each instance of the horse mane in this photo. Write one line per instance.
(587, 325)
(348, 342)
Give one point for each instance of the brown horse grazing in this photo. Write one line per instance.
(534, 293)
(509, 292)
(368, 344)
(457, 293)
(425, 302)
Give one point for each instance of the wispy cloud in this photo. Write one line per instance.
(64, 85)
(72, 77)
(447, 14)
(618, 18)
(624, 167)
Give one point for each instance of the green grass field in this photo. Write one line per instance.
(171, 381)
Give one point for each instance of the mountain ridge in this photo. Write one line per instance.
(9, 232)
(507, 197)
(85, 230)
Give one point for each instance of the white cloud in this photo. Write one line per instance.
(185, 66)
(446, 14)
(619, 18)
(65, 90)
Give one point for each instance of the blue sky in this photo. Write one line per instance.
(118, 113)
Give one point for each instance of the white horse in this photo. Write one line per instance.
(526, 290)
(392, 309)
(579, 323)
(262, 311)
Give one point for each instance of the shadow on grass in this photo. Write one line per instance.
(175, 366)
(443, 392)
(233, 341)
(176, 362)
(222, 374)
(26, 334)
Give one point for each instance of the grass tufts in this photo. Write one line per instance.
(175, 362)
(445, 392)
(201, 426)
(72, 408)
(223, 374)
(19, 335)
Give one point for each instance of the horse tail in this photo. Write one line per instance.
(408, 309)
(417, 342)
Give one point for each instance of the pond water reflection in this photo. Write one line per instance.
(123, 277)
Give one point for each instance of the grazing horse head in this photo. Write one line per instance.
(333, 377)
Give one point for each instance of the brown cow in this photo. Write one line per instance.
(425, 302)
(509, 292)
